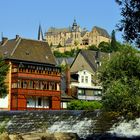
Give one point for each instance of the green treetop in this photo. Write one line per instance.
(130, 22)
(120, 77)
(3, 72)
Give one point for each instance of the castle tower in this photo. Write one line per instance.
(75, 33)
(74, 26)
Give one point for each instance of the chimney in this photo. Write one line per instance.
(17, 37)
(97, 55)
(4, 40)
(97, 59)
(68, 80)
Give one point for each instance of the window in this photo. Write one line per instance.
(41, 85)
(23, 70)
(24, 84)
(37, 84)
(53, 86)
(82, 79)
(48, 85)
(19, 84)
(86, 79)
(31, 84)
(39, 101)
(20, 69)
(81, 92)
(97, 93)
(56, 86)
(14, 85)
(14, 70)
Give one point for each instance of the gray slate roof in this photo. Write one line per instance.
(57, 30)
(68, 60)
(92, 57)
(27, 50)
(101, 31)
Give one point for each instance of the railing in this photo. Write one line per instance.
(83, 97)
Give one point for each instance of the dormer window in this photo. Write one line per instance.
(27, 53)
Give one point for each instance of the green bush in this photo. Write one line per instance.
(93, 48)
(84, 105)
(3, 125)
(71, 53)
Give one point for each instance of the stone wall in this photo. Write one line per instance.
(83, 123)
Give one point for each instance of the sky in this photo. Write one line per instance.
(22, 17)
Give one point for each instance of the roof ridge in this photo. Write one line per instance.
(4, 43)
(33, 39)
(16, 46)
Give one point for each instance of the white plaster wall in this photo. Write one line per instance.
(84, 73)
(4, 102)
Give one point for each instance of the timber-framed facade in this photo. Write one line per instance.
(33, 80)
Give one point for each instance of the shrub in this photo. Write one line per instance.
(84, 105)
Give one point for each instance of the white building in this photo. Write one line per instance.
(85, 86)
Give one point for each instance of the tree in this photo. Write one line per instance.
(109, 47)
(105, 47)
(120, 77)
(66, 53)
(113, 42)
(57, 54)
(93, 47)
(3, 72)
(130, 22)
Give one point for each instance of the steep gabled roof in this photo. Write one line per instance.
(91, 57)
(67, 61)
(101, 31)
(27, 50)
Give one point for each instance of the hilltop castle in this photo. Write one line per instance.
(74, 35)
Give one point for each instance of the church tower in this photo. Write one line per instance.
(74, 26)
(76, 34)
(40, 33)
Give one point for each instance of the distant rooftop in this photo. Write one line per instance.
(101, 31)
(57, 30)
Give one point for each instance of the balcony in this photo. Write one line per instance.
(89, 98)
